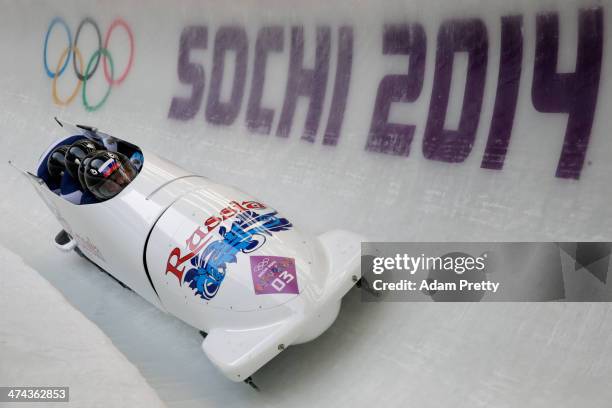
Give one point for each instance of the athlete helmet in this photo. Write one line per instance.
(77, 152)
(56, 163)
(81, 170)
(108, 173)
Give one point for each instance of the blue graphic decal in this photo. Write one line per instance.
(246, 234)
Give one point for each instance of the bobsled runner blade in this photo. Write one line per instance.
(251, 383)
(364, 285)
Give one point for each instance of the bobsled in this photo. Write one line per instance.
(220, 260)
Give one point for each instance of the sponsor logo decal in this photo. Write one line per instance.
(273, 274)
(85, 244)
(238, 228)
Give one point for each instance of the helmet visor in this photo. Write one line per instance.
(107, 179)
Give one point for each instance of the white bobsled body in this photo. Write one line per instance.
(216, 258)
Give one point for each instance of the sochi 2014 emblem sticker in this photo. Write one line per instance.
(274, 274)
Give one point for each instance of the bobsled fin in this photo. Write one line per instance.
(239, 353)
(32, 177)
(343, 252)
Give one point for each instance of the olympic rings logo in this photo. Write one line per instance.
(72, 50)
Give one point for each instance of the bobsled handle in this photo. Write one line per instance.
(64, 242)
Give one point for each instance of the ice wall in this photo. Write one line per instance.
(405, 120)
(46, 342)
(402, 120)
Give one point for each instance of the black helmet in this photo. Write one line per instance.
(77, 152)
(81, 170)
(107, 173)
(56, 163)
